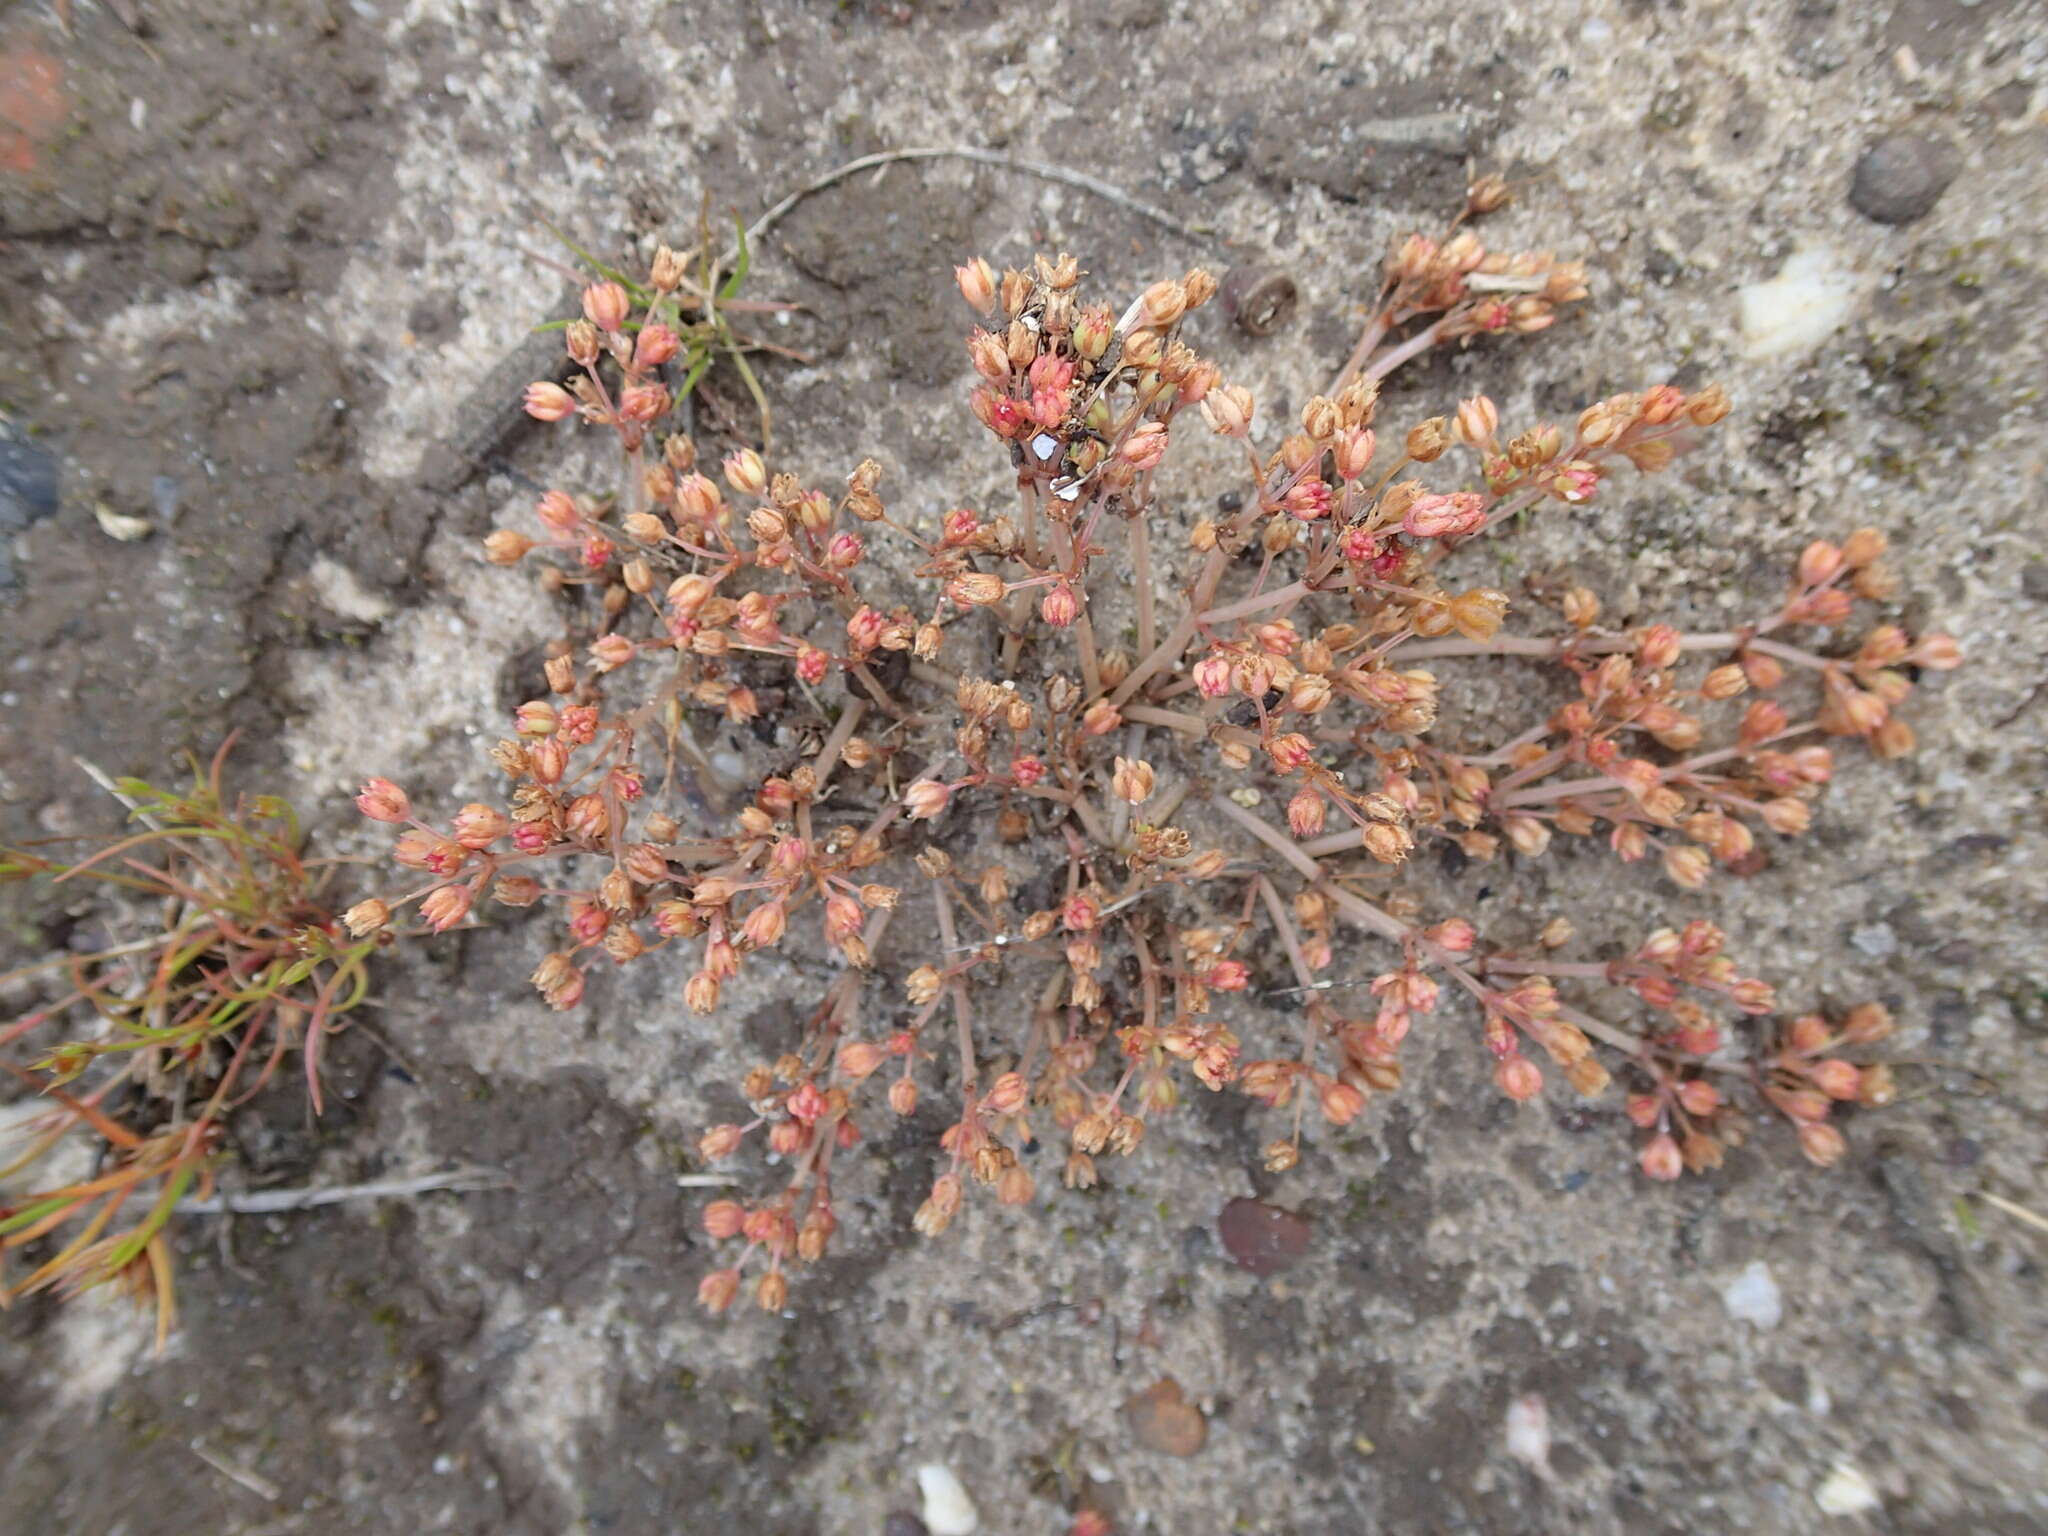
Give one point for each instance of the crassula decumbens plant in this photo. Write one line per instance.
(1206, 802)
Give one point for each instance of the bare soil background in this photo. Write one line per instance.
(255, 260)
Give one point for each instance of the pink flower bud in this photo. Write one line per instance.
(1836, 1078)
(643, 402)
(1477, 420)
(655, 346)
(1456, 935)
(1660, 1159)
(1938, 652)
(1007, 1095)
(606, 306)
(765, 925)
(1144, 448)
(1699, 1097)
(1518, 1077)
(976, 589)
(1289, 751)
(382, 800)
(1441, 517)
(1822, 1143)
(611, 652)
(1576, 482)
(1228, 410)
(1820, 561)
(925, 799)
(720, 1142)
(445, 906)
(745, 472)
(1059, 607)
(806, 1103)
(859, 1058)
(1308, 502)
(1100, 718)
(549, 402)
(1354, 452)
(723, 1219)
(1305, 813)
(478, 826)
(715, 1292)
(977, 280)
(1227, 976)
(1341, 1103)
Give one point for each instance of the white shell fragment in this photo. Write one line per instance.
(1846, 1492)
(1044, 446)
(1753, 1297)
(947, 1509)
(1800, 308)
(118, 525)
(1529, 1434)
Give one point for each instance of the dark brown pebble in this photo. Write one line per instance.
(1263, 1238)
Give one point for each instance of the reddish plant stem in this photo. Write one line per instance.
(1277, 910)
(962, 1018)
(1141, 579)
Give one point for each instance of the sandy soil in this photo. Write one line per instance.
(256, 262)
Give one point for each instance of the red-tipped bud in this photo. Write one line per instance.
(1661, 1159)
(745, 472)
(656, 345)
(977, 280)
(925, 799)
(715, 1292)
(446, 906)
(1340, 1102)
(549, 402)
(382, 800)
(1518, 1077)
(606, 306)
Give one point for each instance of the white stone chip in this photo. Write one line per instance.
(1800, 308)
(947, 1509)
(1529, 1434)
(1846, 1492)
(1753, 1297)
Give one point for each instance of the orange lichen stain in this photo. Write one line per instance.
(32, 105)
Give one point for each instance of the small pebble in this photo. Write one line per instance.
(947, 1509)
(1876, 941)
(1753, 1297)
(1899, 178)
(1262, 1238)
(1807, 302)
(1529, 1434)
(164, 496)
(1162, 1419)
(902, 1522)
(1846, 1492)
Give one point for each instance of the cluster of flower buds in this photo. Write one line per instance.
(1155, 895)
(1800, 1072)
